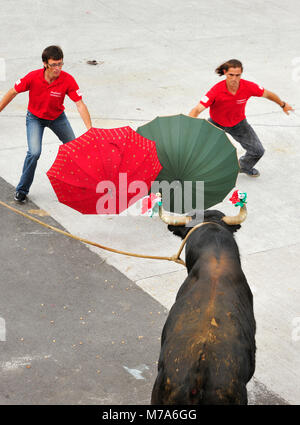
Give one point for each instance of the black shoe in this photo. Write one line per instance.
(252, 173)
(20, 197)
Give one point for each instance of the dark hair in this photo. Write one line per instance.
(52, 52)
(232, 63)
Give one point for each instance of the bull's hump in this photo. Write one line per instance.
(217, 268)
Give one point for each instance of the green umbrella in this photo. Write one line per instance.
(192, 150)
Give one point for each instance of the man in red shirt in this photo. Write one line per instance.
(47, 89)
(227, 101)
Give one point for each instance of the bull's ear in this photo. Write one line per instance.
(233, 228)
(180, 231)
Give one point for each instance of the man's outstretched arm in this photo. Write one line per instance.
(84, 113)
(7, 98)
(273, 96)
(197, 110)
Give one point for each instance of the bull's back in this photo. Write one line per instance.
(208, 336)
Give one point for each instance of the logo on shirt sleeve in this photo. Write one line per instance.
(78, 92)
(18, 82)
(204, 99)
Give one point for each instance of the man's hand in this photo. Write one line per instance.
(286, 108)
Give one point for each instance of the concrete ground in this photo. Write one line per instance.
(154, 59)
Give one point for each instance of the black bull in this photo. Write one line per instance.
(208, 341)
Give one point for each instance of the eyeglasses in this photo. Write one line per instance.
(55, 65)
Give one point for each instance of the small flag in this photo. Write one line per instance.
(150, 204)
(238, 198)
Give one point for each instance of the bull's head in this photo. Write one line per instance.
(183, 225)
(184, 220)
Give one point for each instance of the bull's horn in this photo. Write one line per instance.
(175, 220)
(237, 219)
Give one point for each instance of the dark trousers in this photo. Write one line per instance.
(246, 136)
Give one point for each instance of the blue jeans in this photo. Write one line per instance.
(246, 136)
(35, 129)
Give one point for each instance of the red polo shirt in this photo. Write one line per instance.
(46, 100)
(228, 109)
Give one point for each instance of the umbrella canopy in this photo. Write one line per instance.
(192, 150)
(104, 171)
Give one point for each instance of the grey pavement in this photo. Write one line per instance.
(158, 59)
(77, 330)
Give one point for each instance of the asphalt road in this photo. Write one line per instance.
(77, 330)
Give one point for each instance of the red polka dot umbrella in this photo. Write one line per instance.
(104, 171)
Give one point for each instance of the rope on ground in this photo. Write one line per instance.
(176, 258)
